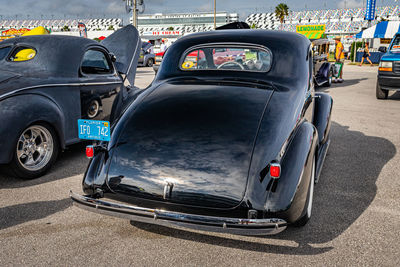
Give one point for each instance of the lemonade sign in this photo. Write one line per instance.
(311, 31)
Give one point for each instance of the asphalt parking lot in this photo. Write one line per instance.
(355, 222)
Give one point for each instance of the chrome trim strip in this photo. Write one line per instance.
(237, 226)
(55, 85)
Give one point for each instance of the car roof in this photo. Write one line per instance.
(320, 41)
(56, 54)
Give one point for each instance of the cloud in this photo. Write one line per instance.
(350, 4)
(206, 7)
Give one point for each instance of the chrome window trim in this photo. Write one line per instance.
(55, 85)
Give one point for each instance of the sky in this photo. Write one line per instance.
(60, 9)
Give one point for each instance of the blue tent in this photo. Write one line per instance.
(384, 29)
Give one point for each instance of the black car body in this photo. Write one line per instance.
(48, 82)
(199, 147)
(322, 67)
(389, 70)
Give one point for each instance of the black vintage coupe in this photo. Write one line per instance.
(49, 82)
(230, 137)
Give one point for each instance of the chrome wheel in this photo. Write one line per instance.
(35, 148)
(93, 109)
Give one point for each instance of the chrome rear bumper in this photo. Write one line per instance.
(175, 219)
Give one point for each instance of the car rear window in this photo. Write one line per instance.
(227, 57)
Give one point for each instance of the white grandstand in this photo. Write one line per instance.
(184, 23)
(59, 24)
(337, 21)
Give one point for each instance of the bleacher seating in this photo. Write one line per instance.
(336, 20)
(58, 24)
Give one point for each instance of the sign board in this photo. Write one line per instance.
(162, 33)
(13, 31)
(370, 10)
(311, 31)
(82, 29)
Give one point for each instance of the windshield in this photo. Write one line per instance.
(220, 57)
(396, 44)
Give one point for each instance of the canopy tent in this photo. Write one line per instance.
(384, 29)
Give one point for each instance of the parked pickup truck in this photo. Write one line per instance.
(389, 69)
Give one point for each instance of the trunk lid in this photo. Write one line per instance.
(188, 144)
(125, 43)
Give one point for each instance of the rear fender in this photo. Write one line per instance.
(288, 193)
(18, 112)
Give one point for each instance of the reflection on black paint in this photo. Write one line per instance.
(200, 139)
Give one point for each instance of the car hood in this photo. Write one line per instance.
(197, 139)
(391, 56)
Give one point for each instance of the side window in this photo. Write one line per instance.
(95, 62)
(22, 53)
(4, 52)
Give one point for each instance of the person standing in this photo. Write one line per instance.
(366, 55)
(339, 57)
(163, 46)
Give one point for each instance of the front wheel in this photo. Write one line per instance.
(381, 93)
(35, 151)
(306, 217)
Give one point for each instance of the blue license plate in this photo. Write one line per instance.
(94, 130)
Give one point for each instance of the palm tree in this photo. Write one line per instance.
(253, 26)
(281, 11)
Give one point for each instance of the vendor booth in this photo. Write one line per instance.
(382, 31)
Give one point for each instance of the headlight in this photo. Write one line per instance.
(385, 66)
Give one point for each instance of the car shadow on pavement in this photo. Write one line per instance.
(346, 188)
(71, 162)
(21, 213)
(346, 82)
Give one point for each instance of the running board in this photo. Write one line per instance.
(321, 158)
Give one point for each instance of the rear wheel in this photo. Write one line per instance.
(150, 62)
(306, 217)
(381, 93)
(35, 151)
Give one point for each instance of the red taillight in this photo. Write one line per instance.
(275, 170)
(89, 151)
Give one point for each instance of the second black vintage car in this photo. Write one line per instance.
(323, 70)
(230, 137)
(48, 82)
